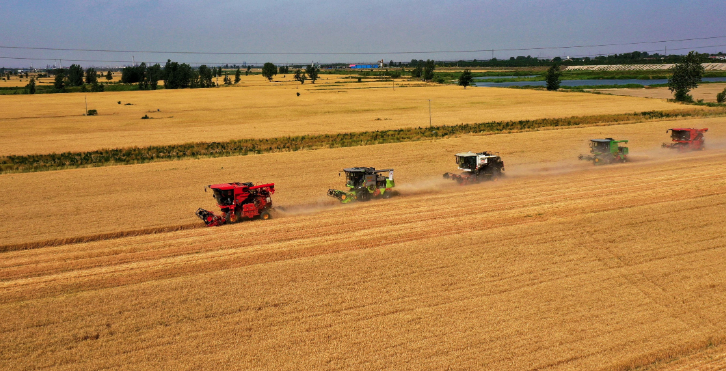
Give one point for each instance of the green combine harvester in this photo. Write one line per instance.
(606, 151)
(365, 183)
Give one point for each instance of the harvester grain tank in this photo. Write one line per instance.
(606, 151)
(477, 167)
(365, 183)
(238, 201)
(686, 139)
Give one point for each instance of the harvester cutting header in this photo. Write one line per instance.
(365, 183)
(238, 201)
(686, 139)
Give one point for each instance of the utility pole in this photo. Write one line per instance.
(429, 112)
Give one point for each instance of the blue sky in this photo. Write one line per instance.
(372, 26)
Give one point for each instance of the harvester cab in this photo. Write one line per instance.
(365, 183)
(606, 151)
(477, 167)
(686, 139)
(238, 201)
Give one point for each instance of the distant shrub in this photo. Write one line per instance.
(145, 117)
(721, 97)
(91, 112)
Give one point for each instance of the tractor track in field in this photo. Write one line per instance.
(96, 237)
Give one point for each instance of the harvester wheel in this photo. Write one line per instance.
(265, 215)
(387, 195)
(363, 195)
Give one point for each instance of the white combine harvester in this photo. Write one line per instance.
(477, 167)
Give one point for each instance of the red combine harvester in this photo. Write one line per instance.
(238, 201)
(686, 139)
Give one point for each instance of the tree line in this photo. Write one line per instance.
(175, 76)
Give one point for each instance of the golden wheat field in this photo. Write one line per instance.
(256, 108)
(589, 268)
(122, 198)
(559, 265)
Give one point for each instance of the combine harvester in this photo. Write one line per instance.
(365, 183)
(477, 167)
(686, 139)
(606, 151)
(238, 201)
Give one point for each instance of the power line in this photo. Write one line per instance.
(295, 63)
(357, 53)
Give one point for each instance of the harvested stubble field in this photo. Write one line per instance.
(561, 265)
(596, 268)
(258, 109)
(83, 202)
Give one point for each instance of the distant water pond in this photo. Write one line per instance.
(588, 82)
(501, 77)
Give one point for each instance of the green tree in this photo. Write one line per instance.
(237, 75)
(177, 76)
(109, 76)
(417, 71)
(269, 70)
(247, 71)
(465, 78)
(143, 76)
(428, 71)
(75, 75)
(312, 72)
(31, 86)
(300, 76)
(205, 76)
(60, 80)
(91, 77)
(133, 74)
(686, 76)
(553, 77)
(227, 80)
(721, 97)
(153, 75)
